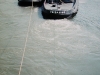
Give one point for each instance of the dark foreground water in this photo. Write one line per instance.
(54, 47)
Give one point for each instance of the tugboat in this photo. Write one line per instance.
(60, 8)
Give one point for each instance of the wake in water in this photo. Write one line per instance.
(63, 32)
(53, 29)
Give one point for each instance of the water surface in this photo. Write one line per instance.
(54, 47)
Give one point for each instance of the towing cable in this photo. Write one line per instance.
(21, 64)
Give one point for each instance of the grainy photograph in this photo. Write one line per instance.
(49, 37)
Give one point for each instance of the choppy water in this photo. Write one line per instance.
(54, 47)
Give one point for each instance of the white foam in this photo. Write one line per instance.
(51, 29)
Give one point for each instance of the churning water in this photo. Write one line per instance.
(54, 47)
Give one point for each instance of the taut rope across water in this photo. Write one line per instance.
(26, 39)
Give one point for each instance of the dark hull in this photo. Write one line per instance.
(57, 16)
(29, 3)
